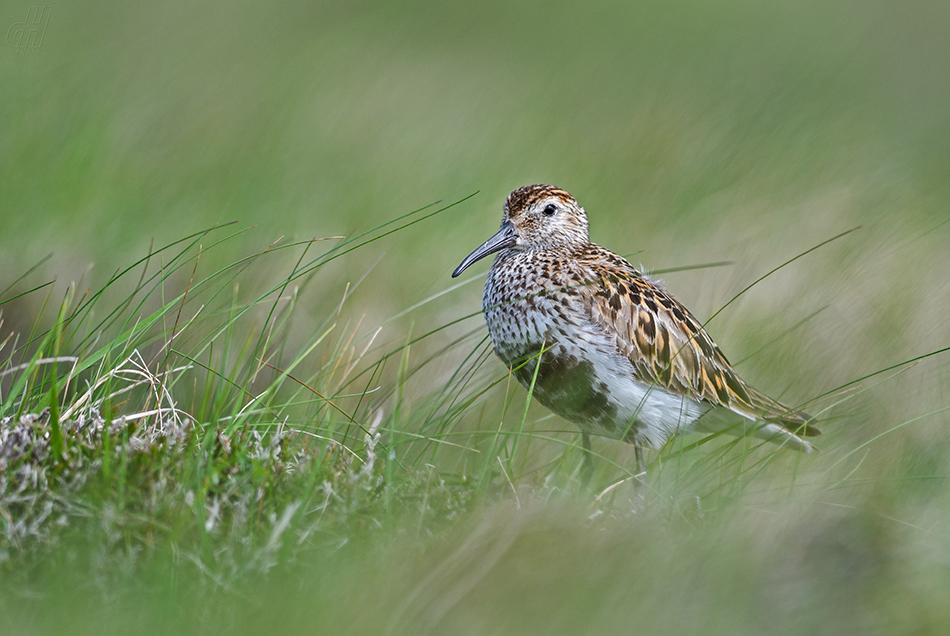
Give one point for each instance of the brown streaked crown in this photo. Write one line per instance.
(526, 196)
(544, 217)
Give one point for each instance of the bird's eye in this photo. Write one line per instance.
(549, 209)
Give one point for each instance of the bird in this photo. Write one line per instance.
(606, 346)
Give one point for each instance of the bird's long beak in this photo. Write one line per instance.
(506, 237)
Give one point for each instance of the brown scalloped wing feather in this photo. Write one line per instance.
(669, 347)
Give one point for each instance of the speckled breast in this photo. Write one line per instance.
(528, 306)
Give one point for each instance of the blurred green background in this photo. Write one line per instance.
(692, 132)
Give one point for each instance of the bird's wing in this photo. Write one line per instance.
(669, 348)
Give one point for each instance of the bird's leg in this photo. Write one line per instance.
(587, 468)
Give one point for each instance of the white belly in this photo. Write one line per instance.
(598, 389)
(651, 414)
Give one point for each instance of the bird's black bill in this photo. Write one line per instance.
(505, 238)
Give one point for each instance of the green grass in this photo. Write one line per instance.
(251, 430)
(196, 470)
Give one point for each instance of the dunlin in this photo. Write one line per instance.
(605, 346)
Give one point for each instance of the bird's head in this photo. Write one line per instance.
(536, 217)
